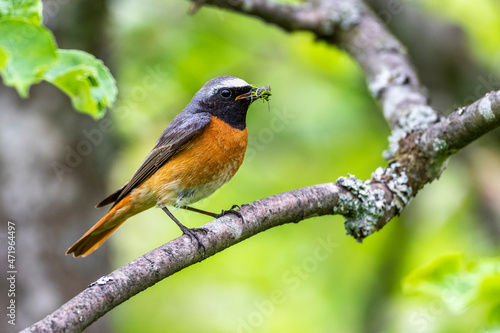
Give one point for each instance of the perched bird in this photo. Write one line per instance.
(199, 151)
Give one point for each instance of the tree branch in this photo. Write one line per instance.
(467, 123)
(421, 142)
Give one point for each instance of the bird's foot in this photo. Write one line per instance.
(193, 234)
(231, 211)
(187, 231)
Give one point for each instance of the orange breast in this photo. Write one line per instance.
(206, 163)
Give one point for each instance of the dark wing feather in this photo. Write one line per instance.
(179, 132)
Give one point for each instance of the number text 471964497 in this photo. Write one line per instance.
(11, 272)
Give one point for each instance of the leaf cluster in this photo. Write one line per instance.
(29, 54)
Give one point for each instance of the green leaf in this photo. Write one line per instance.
(28, 50)
(85, 80)
(31, 10)
(28, 54)
(459, 284)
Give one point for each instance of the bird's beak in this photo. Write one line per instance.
(256, 93)
(248, 95)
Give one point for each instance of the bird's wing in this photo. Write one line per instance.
(179, 132)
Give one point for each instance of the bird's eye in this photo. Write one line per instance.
(225, 93)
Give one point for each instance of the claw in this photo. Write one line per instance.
(194, 236)
(232, 211)
(186, 231)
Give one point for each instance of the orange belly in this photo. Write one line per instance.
(208, 161)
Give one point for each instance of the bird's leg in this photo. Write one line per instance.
(215, 215)
(185, 230)
(196, 210)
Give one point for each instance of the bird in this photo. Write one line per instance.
(199, 151)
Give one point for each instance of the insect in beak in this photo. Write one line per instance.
(263, 93)
(255, 93)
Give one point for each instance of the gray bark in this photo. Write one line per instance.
(51, 208)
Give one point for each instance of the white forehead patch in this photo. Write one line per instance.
(229, 83)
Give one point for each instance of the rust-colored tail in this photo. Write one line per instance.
(93, 238)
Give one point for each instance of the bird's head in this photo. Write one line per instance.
(228, 98)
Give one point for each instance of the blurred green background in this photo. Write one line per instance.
(320, 124)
